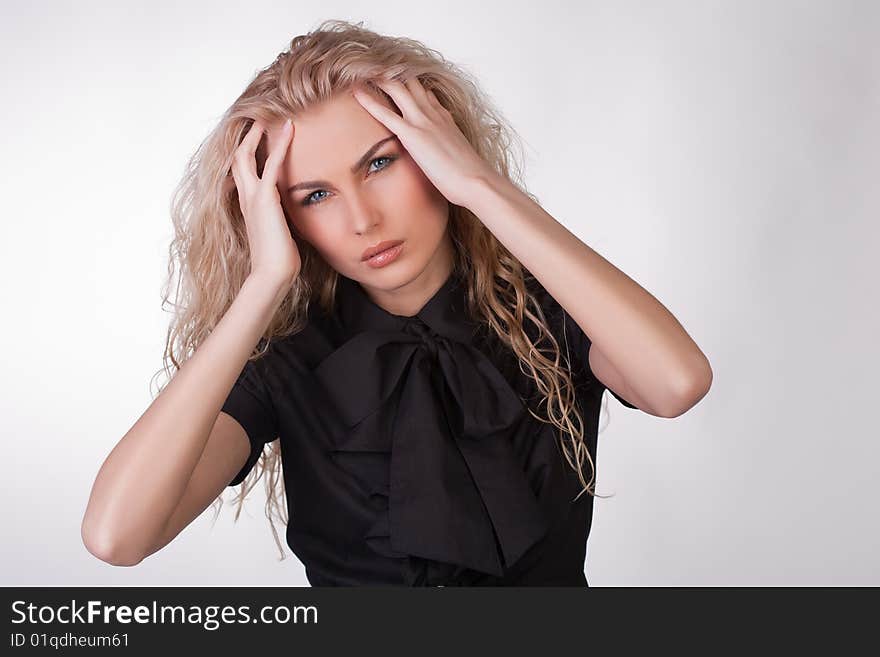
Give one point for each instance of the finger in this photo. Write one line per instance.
(435, 102)
(276, 157)
(252, 138)
(417, 91)
(389, 118)
(402, 98)
(427, 99)
(228, 183)
(240, 184)
(244, 154)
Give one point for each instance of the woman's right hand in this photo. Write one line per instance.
(273, 250)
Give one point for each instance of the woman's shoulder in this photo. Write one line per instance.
(300, 348)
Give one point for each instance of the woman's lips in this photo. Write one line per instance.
(381, 246)
(382, 258)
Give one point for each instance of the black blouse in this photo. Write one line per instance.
(408, 455)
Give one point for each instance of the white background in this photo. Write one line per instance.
(724, 154)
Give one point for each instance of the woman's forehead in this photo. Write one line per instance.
(329, 138)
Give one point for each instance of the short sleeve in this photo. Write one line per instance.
(570, 335)
(250, 403)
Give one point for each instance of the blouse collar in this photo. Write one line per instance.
(445, 312)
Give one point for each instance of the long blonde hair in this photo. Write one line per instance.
(210, 253)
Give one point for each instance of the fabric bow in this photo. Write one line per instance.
(453, 484)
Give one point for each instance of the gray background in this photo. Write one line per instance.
(723, 154)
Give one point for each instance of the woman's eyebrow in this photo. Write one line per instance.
(357, 166)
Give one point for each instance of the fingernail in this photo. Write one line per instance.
(287, 125)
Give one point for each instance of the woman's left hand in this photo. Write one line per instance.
(430, 135)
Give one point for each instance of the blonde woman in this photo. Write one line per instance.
(373, 312)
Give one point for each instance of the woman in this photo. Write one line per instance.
(371, 285)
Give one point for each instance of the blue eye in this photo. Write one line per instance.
(390, 159)
(308, 200)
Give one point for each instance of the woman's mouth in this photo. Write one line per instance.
(383, 253)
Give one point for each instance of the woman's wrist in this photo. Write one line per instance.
(269, 283)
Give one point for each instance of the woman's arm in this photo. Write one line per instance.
(652, 355)
(642, 348)
(138, 489)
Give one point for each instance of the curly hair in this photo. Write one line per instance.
(209, 258)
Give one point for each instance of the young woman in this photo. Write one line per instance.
(365, 285)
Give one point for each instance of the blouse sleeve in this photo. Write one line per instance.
(570, 336)
(250, 404)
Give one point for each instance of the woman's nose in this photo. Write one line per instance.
(363, 215)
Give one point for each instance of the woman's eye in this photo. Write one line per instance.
(310, 200)
(383, 157)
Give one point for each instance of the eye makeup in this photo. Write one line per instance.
(308, 199)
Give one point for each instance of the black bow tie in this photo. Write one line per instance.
(445, 465)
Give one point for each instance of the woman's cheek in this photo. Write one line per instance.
(329, 238)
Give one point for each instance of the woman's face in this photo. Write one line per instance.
(341, 210)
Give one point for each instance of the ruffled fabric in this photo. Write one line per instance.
(426, 423)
